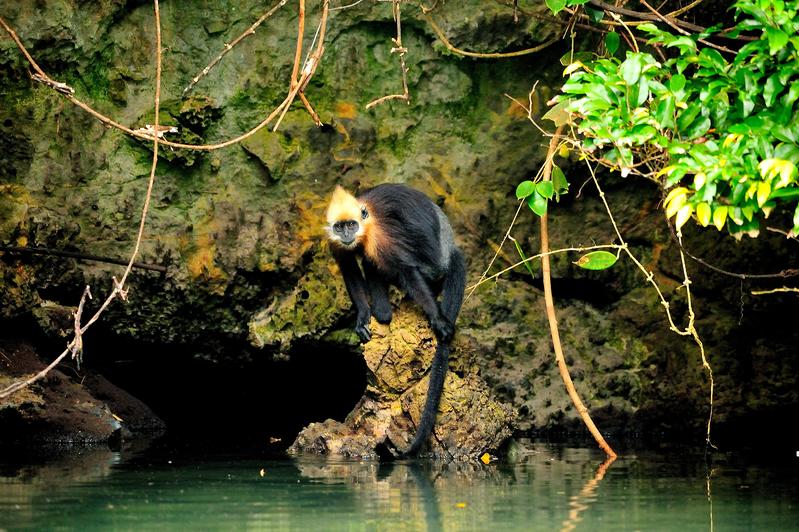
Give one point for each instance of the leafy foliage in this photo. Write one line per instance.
(720, 134)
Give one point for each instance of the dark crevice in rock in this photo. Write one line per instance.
(244, 397)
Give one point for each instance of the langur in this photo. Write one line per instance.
(402, 239)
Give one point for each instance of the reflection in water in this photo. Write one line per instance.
(22, 485)
(547, 487)
(582, 501)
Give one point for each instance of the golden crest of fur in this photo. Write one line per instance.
(343, 206)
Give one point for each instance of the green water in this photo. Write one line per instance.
(547, 487)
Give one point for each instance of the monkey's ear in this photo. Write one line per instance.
(364, 213)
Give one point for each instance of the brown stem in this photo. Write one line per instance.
(553, 321)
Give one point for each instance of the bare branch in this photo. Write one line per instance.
(401, 50)
(491, 55)
(228, 47)
(774, 290)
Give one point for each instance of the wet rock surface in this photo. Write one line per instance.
(82, 408)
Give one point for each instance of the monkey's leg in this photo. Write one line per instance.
(415, 285)
(378, 290)
(356, 287)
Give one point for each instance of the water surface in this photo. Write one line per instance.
(546, 487)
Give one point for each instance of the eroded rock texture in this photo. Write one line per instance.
(470, 421)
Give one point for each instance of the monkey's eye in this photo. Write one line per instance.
(364, 214)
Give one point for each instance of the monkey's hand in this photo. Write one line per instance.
(362, 326)
(442, 328)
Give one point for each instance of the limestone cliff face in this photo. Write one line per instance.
(240, 229)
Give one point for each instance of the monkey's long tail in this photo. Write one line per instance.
(452, 298)
(438, 371)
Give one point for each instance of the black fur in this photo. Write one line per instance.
(420, 257)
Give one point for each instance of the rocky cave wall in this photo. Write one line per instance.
(240, 229)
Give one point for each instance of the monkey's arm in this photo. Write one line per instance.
(378, 291)
(356, 287)
(415, 285)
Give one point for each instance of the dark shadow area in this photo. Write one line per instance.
(246, 401)
(230, 404)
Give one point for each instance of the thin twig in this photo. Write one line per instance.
(77, 347)
(398, 48)
(228, 47)
(531, 258)
(784, 274)
(68, 93)
(774, 291)
(483, 277)
(673, 25)
(642, 16)
(786, 234)
(308, 69)
(340, 8)
(118, 288)
(491, 55)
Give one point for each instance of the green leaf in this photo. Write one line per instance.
(597, 260)
(664, 112)
(720, 216)
(524, 189)
(763, 191)
(710, 57)
(777, 39)
(559, 180)
(643, 91)
(538, 204)
(795, 229)
(785, 193)
(596, 15)
(524, 257)
(546, 189)
(684, 43)
(631, 69)
(612, 41)
(771, 89)
(676, 83)
(558, 114)
(556, 5)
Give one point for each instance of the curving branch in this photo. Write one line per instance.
(75, 346)
(490, 55)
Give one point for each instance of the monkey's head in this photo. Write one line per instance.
(347, 219)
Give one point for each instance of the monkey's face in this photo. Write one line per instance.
(349, 233)
(346, 232)
(346, 219)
